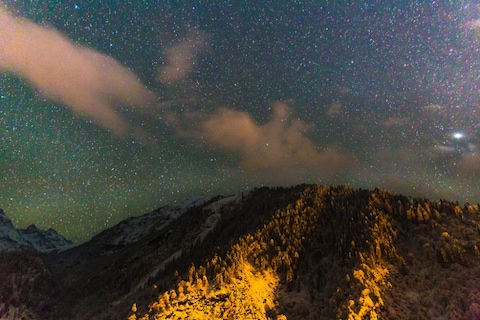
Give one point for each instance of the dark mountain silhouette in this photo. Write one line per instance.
(305, 252)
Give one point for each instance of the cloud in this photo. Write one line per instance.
(277, 145)
(180, 58)
(334, 109)
(395, 121)
(434, 107)
(90, 83)
(469, 166)
(473, 24)
(343, 90)
(410, 170)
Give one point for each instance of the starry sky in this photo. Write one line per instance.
(109, 109)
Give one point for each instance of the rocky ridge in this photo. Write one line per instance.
(31, 238)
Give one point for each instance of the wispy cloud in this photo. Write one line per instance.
(473, 24)
(181, 57)
(395, 121)
(469, 166)
(90, 83)
(280, 144)
(334, 109)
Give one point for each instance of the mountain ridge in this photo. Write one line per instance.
(363, 246)
(31, 238)
(303, 252)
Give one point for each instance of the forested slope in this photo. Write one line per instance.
(316, 252)
(304, 252)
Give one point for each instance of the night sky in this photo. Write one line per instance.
(110, 109)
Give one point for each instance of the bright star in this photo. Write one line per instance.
(458, 135)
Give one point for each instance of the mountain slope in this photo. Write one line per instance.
(339, 253)
(100, 276)
(28, 289)
(305, 252)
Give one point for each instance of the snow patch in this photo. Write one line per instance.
(217, 205)
(216, 208)
(135, 229)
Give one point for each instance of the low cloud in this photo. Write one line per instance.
(469, 166)
(411, 170)
(181, 57)
(90, 83)
(395, 121)
(279, 144)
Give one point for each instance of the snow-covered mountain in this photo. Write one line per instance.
(31, 238)
(134, 229)
(126, 232)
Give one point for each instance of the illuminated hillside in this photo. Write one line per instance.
(305, 252)
(337, 253)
